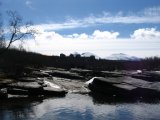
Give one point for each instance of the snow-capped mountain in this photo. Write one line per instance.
(88, 54)
(117, 56)
(122, 56)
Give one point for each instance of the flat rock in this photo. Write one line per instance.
(113, 74)
(65, 74)
(148, 75)
(27, 79)
(126, 86)
(25, 85)
(15, 91)
(40, 74)
(53, 91)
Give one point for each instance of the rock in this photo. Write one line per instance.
(25, 85)
(83, 72)
(66, 74)
(4, 82)
(3, 93)
(147, 75)
(125, 86)
(53, 91)
(113, 74)
(15, 91)
(40, 74)
(27, 79)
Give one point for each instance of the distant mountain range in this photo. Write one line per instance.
(122, 56)
(117, 56)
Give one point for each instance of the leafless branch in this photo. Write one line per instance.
(17, 29)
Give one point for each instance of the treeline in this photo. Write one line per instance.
(14, 60)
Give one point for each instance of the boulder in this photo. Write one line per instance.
(125, 86)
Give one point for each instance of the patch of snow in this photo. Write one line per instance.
(50, 84)
(90, 81)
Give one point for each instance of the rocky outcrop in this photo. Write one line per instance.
(125, 86)
(32, 87)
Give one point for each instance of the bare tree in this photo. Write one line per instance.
(16, 30)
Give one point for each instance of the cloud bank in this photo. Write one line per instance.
(143, 42)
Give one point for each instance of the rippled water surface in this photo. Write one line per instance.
(76, 107)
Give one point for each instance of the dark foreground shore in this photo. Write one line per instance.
(58, 82)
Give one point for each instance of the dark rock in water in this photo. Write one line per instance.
(3, 93)
(125, 86)
(66, 74)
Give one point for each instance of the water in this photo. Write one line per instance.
(77, 107)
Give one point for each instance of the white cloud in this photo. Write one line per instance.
(149, 15)
(146, 33)
(105, 35)
(54, 43)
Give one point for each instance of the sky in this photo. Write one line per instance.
(102, 27)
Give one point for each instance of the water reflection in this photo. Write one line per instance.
(76, 107)
(105, 99)
(18, 108)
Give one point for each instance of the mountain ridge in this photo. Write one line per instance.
(115, 56)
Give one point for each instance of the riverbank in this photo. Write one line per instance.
(58, 82)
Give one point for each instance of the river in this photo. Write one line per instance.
(77, 107)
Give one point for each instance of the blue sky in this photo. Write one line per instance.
(102, 27)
